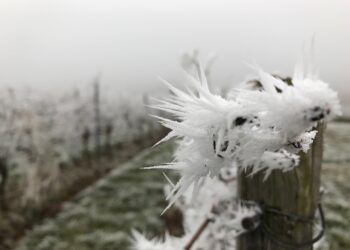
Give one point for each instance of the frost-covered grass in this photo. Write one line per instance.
(337, 143)
(335, 179)
(337, 205)
(101, 216)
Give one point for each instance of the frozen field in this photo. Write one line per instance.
(336, 180)
(101, 216)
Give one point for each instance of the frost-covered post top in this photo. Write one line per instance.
(259, 130)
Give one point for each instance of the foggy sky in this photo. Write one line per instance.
(62, 43)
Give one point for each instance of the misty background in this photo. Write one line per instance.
(57, 45)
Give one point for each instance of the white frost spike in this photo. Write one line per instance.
(302, 142)
(257, 130)
(306, 81)
(268, 82)
(306, 66)
(140, 242)
(232, 218)
(282, 160)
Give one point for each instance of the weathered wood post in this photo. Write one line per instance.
(97, 117)
(3, 183)
(85, 141)
(294, 192)
(108, 130)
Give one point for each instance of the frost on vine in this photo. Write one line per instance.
(217, 208)
(257, 130)
(259, 127)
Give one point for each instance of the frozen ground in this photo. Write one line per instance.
(336, 180)
(100, 217)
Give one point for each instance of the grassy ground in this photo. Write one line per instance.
(102, 216)
(336, 181)
(18, 218)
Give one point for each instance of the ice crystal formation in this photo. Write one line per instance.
(216, 204)
(253, 129)
(258, 127)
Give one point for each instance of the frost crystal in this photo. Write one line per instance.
(256, 130)
(217, 204)
(140, 242)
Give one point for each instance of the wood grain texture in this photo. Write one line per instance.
(294, 192)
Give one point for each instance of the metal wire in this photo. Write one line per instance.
(291, 245)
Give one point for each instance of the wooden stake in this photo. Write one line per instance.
(294, 192)
(97, 116)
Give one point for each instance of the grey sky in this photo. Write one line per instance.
(61, 43)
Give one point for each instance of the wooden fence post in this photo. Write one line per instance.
(294, 192)
(97, 117)
(3, 183)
